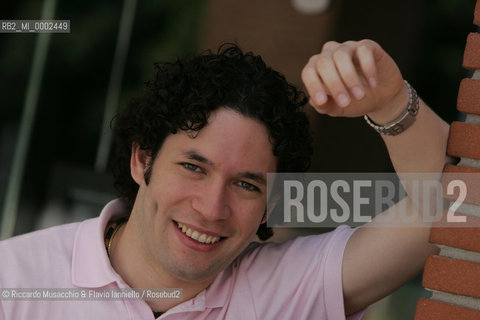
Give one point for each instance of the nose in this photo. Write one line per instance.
(211, 200)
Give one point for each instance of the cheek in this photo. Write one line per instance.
(168, 188)
(250, 216)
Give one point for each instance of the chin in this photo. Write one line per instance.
(193, 273)
(195, 276)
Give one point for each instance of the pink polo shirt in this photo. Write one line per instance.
(300, 279)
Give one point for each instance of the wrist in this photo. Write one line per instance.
(392, 109)
(403, 120)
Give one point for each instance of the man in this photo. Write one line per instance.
(193, 154)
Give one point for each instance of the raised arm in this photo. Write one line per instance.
(357, 78)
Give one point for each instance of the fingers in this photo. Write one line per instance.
(343, 60)
(366, 59)
(317, 92)
(313, 83)
(332, 78)
(341, 71)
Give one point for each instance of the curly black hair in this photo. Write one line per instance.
(184, 93)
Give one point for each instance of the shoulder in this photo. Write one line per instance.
(299, 248)
(303, 275)
(311, 255)
(28, 258)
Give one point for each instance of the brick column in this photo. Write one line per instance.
(453, 276)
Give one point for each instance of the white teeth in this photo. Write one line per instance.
(200, 237)
(195, 235)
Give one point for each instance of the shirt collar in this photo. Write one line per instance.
(91, 267)
(221, 289)
(217, 294)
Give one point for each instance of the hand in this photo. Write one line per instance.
(354, 78)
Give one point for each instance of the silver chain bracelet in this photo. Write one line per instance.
(404, 120)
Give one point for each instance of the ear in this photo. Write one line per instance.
(139, 163)
(264, 218)
(272, 203)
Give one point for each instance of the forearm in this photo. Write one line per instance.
(421, 148)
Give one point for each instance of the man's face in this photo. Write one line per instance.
(206, 196)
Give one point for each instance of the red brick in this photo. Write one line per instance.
(428, 309)
(456, 221)
(468, 100)
(467, 238)
(464, 140)
(452, 169)
(453, 276)
(469, 176)
(471, 56)
(476, 14)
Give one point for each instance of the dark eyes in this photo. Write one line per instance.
(191, 167)
(242, 184)
(247, 186)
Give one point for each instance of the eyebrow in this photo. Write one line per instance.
(254, 176)
(257, 177)
(194, 155)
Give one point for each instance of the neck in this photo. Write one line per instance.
(138, 270)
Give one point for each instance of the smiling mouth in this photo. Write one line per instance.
(198, 236)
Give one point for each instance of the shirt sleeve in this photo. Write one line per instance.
(299, 279)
